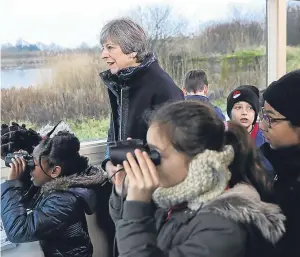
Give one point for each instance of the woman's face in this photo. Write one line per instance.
(114, 57)
(174, 165)
(41, 176)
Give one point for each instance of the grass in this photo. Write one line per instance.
(221, 103)
(78, 96)
(85, 129)
(89, 129)
(292, 58)
(251, 52)
(75, 92)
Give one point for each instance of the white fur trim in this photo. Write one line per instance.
(61, 127)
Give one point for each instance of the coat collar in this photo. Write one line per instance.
(116, 80)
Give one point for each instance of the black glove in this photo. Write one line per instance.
(16, 137)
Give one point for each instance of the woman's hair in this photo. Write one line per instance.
(62, 150)
(193, 127)
(128, 35)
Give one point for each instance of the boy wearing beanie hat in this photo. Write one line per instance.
(243, 107)
(280, 122)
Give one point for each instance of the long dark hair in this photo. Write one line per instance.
(193, 127)
(62, 150)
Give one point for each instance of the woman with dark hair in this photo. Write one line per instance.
(56, 218)
(204, 188)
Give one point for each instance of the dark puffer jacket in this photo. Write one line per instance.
(56, 219)
(236, 224)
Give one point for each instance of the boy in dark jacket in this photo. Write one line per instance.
(280, 122)
(56, 217)
(243, 107)
(196, 88)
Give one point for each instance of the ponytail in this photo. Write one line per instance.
(246, 166)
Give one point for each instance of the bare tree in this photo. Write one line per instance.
(243, 30)
(160, 24)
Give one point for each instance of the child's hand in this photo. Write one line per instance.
(142, 177)
(17, 167)
(118, 182)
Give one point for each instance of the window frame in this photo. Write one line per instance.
(276, 39)
(276, 62)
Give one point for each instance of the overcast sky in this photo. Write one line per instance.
(71, 22)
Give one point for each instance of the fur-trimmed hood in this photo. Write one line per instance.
(243, 204)
(87, 179)
(204, 187)
(61, 126)
(79, 184)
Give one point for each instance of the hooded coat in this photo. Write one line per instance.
(57, 216)
(235, 224)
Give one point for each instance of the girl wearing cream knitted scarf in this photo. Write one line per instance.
(207, 178)
(198, 216)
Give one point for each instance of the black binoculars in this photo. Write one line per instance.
(119, 149)
(30, 165)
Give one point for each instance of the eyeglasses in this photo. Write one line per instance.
(263, 116)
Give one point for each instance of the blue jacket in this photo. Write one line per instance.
(206, 100)
(57, 217)
(259, 139)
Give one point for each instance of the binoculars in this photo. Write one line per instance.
(30, 165)
(119, 149)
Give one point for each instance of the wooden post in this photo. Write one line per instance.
(276, 47)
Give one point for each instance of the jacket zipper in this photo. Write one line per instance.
(121, 115)
(113, 125)
(112, 122)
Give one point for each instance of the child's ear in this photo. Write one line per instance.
(56, 172)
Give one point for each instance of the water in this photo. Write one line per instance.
(25, 77)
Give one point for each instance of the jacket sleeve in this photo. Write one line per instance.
(115, 205)
(22, 225)
(210, 236)
(220, 113)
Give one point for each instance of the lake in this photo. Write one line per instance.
(25, 77)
